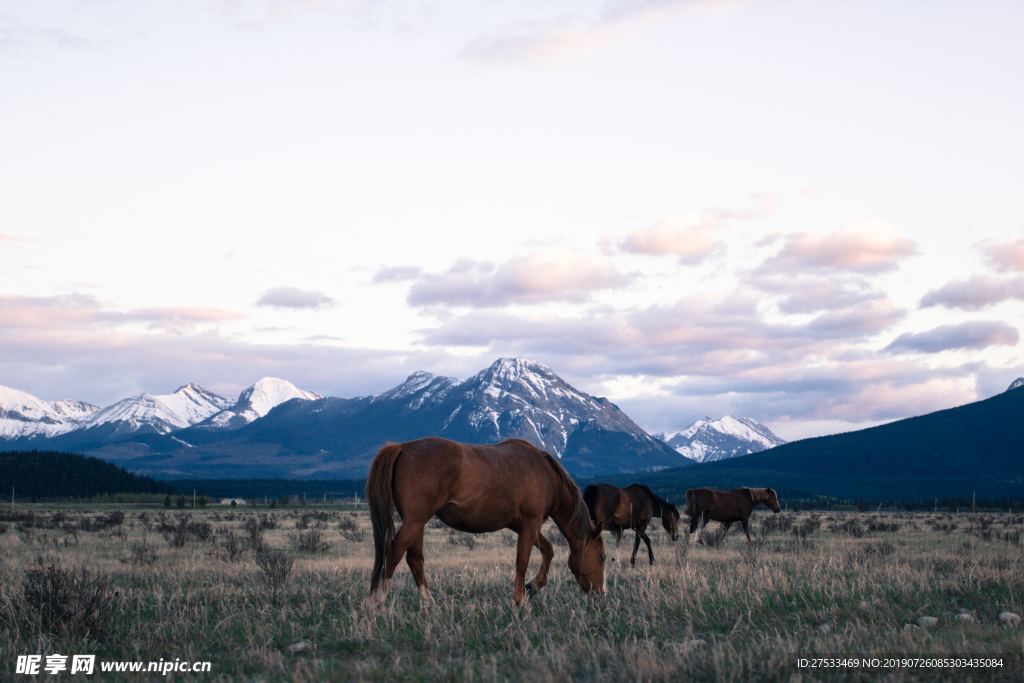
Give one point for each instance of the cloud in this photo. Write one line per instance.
(859, 321)
(1005, 255)
(975, 293)
(540, 276)
(292, 297)
(868, 249)
(70, 310)
(396, 274)
(690, 244)
(692, 239)
(553, 39)
(73, 347)
(969, 335)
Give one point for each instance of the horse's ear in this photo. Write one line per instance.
(598, 528)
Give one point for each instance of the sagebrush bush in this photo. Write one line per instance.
(277, 568)
(64, 602)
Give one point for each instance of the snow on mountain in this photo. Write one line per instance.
(161, 413)
(24, 415)
(517, 397)
(421, 388)
(257, 401)
(73, 410)
(1016, 384)
(710, 439)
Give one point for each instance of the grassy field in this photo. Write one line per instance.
(169, 584)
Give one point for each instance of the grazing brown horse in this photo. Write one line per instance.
(510, 485)
(630, 508)
(727, 507)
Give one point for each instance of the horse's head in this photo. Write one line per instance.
(586, 561)
(670, 520)
(771, 499)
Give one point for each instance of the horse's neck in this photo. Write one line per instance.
(566, 518)
(655, 505)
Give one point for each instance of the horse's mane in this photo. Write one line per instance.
(580, 514)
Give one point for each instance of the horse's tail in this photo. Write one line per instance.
(380, 496)
(691, 504)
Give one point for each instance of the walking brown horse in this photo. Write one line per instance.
(630, 508)
(510, 485)
(705, 504)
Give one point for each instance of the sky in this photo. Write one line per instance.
(808, 213)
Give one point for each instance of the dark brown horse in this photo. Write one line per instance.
(630, 508)
(510, 485)
(703, 505)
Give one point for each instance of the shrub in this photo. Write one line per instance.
(63, 602)
(229, 546)
(277, 568)
(467, 541)
(776, 524)
(177, 535)
(807, 527)
(851, 527)
(141, 554)
(310, 541)
(255, 532)
(350, 529)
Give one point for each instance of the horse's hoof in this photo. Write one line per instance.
(531, 590)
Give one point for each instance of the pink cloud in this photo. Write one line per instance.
(689, 244)
(545, 275)
(872, 248)
(1005, 255)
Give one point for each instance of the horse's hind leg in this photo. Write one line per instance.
(408, 534)
(546, 553)
(636, 546)
(414, 558)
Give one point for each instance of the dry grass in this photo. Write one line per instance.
(188, 586)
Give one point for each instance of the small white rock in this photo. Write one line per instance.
(964, 617)
(911, 628)
(825, 628)
(300, 646)
(927, 622)
(1009, 619)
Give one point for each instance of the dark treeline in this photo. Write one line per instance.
(45, 474)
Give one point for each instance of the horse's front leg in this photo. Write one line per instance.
(527, 537)
(636, 547)
(546, 553)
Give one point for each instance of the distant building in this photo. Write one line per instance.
(232, 501)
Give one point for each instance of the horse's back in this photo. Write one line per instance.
(446, 468)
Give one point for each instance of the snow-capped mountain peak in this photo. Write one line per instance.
(1016, 384)
(256, 401)
(420, 388)
(710, 439)
(25, 415)
(161, 413)
(270, 392)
